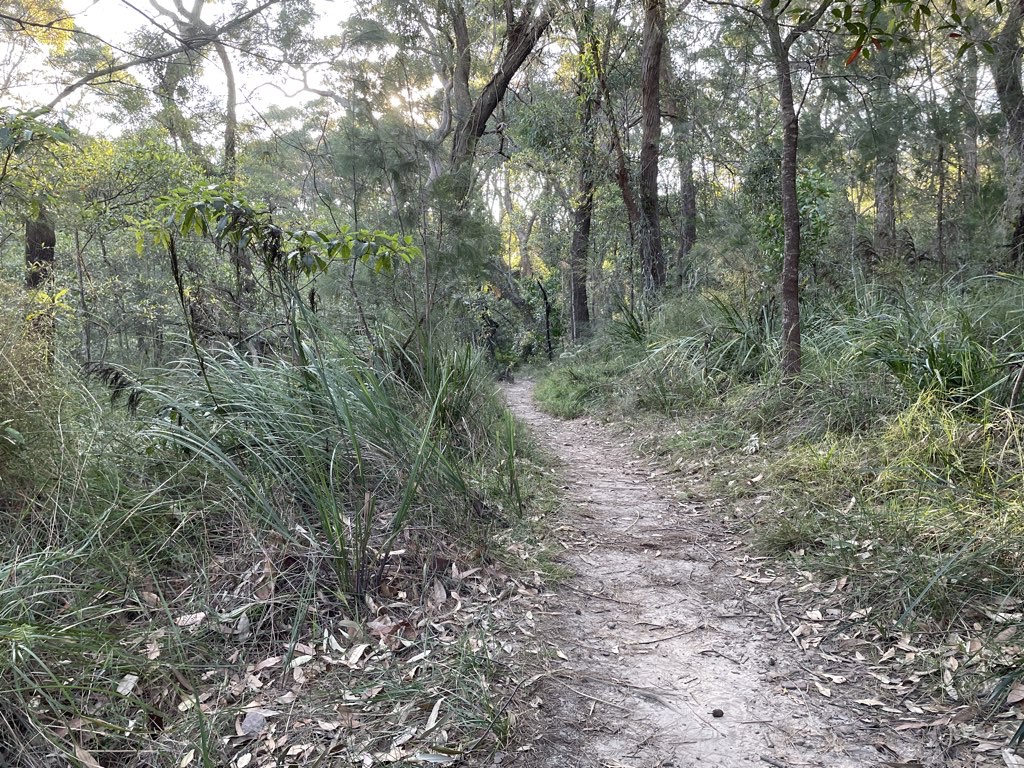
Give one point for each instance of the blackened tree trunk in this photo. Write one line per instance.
(652, 257)
(40, 242)
(579, 251)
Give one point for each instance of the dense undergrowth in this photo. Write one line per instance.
(179, 567)
(894, 460)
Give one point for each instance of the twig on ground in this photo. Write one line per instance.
(591, 698)
(663, 639)
(778, 610)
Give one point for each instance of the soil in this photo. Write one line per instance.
(659, 652)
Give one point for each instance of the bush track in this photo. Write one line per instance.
(657, 652)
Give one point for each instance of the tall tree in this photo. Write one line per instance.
(523, 30)
(676, 106)
(780, 46)
(1005, 62)
(652, 257)
(588, 96)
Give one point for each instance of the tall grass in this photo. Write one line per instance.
(346, 452)
(119, 524)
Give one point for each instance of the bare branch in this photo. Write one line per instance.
(189, 44)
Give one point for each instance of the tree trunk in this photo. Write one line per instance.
(579, 251)
(940, 209)
(887, 128)
(231, 112)
(885, 204)
(652, 256)
(83, 302)
(40, 242)
(688, 226)
(521, 36)
(583, 212)
(682, 136)
(968, 106)
(790, 204)
(1006, 74)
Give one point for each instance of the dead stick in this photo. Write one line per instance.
(663, 639)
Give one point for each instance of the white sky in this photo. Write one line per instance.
(115, 21)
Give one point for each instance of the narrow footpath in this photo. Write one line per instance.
(657, 651)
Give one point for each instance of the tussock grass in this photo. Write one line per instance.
(258, 510)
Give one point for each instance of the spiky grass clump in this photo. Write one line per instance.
(237, 511)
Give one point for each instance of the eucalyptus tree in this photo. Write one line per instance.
(652, 255)
(1000, 37)
(588, 102)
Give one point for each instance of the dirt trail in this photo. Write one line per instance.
(669, 658)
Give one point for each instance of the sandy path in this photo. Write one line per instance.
(670, 659)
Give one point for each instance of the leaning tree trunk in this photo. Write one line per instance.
(522, 35)
(652, 257)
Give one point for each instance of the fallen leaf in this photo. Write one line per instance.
(127, 684)
(86, 758)
(823, 690)
(273, 661)
(870, 702)
(187, 758)
(432, 720)
(1016, 694)
(428, 757)
(355, 654)
(191, 620)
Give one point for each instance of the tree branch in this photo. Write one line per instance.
(190, 44)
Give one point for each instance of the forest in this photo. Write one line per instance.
(316, 317)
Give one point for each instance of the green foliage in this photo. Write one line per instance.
(963, 349)
(118, 526)
(576, 387)
(213, 211)
(23, 138)
(629, 324)
(815, 192)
